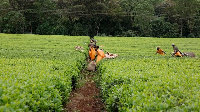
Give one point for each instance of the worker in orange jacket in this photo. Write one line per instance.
(100, 54)
(177, 52)
(160, 51)
(92, 53)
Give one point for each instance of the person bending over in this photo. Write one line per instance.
(160, 51)
(177, 52)
(100, 54)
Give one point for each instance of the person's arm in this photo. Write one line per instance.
(180, 51)
(156, 52)
(164, 52)
(173, 53)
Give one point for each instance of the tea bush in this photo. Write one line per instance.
(139, 80)
(37, 71)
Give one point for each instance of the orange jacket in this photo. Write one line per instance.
(100, 56)
(178, 54)
(160, 51)
(92, 53)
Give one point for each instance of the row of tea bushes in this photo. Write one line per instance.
(145, 84)
(139, 80)
(37, 71)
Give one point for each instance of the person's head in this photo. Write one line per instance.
(173, 44)
(157, 47)
(91, 41)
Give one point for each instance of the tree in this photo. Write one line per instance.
(186, 12)
(182, 12)
(13, 22)
(92, 13)
(196, 28)
(97, 17)
(141, 13)
(161, 28)
(4, 9)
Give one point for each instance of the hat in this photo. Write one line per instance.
(173, 44)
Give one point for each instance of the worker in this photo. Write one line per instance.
(175, 48)
(91, 44)
(93, 41)
(92, 52)
(176, 52)
(160, 51)
(100, 54)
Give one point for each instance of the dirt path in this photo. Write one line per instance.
(86, 98)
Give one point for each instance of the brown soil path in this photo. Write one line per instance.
(86, 98)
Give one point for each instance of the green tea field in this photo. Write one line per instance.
(139, 80)
(37, 71)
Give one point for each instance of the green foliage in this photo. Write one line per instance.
(160, 28)
(102, 17)
(60, 30)
(36, 71)
(45, 28)
(139, 80)
(79, 29)
(129, 33)
(181, 12)
(196, 31)
(13, 22)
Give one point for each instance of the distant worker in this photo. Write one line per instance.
(100, 54)
(175, 48)
(92, 42)
(92, 52)
(160, 51)
(177, 52)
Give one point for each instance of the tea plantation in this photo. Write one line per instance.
(36, 72)
(138, 80)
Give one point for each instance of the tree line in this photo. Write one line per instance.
(146, 18)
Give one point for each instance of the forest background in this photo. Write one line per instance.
(129, 18)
